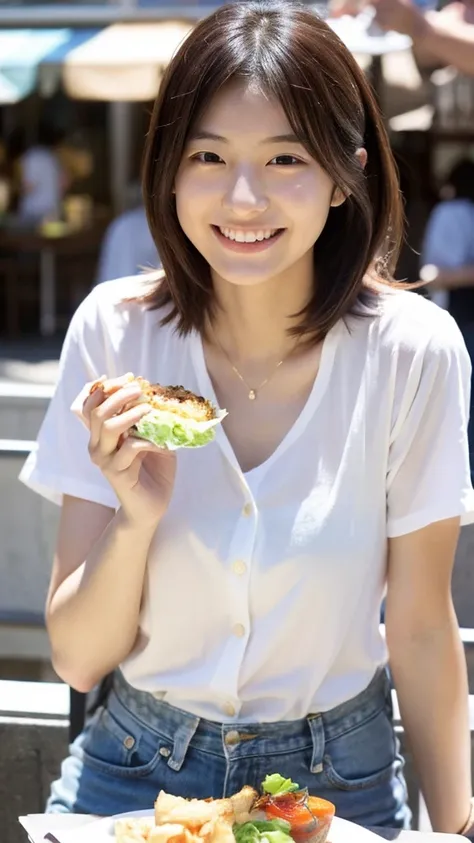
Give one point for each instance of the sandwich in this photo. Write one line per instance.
(177, 419)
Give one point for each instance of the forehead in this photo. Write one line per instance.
(243, 108)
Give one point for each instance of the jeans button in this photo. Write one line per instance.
(165, 752)
(129, 742)
(232, 738)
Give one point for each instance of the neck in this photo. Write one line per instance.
(253, 321)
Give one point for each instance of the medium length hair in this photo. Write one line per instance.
(294, 57)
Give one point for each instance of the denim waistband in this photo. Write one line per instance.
(182, 729)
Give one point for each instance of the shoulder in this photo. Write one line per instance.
(413, 331)
(116, 305)
(404, 326)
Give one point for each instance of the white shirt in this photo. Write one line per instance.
(41, 176)
(128, 247)
(263, 589)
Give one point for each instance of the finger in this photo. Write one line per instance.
(91, 401)
(131, 450)
(109, 407)
(113, 429)
(104, 387)
(113, 384)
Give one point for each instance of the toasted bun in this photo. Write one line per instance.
(173, 399)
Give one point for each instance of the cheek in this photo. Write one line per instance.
(193, 199)
(309, 197)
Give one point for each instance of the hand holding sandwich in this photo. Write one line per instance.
(141, 474)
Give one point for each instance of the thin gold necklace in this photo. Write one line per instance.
(252, 391)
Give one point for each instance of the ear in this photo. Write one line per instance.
(361, 156)
(338, 197)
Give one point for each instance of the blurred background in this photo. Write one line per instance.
(77, 83)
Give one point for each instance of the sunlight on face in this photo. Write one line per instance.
(248, 195)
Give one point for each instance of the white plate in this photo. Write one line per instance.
(102, 831)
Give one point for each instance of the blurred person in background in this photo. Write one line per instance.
(128, 246)
(41, 181)
(447, 260)
(440, 38)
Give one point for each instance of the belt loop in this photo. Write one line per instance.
(182, 738)
(316, 727)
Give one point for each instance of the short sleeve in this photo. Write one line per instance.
(60, 464)
(428, 476)
(448, 236)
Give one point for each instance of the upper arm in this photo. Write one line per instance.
(420, 566)
(81, 525)
(428, 473)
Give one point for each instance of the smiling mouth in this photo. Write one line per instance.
(239, 235)
(242, 240)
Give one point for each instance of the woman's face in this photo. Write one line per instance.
(248, 194)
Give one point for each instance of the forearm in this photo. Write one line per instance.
(92, 617)
(430, 676)
(449, 45)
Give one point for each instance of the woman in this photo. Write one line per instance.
(238, 587)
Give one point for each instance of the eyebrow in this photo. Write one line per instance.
(288, 138)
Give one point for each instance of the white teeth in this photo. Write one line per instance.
(241, 236)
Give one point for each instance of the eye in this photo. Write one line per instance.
(207, 158)
(285, 160)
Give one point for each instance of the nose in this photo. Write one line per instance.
(245, 196)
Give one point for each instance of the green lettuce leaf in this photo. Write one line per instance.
(263, 831)
(275, 785)
(167, 430)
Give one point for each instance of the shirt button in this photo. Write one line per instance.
(247, 510)
(229, 709)
(239, 567)
(239, 630)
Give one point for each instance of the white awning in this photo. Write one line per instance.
(123, 62)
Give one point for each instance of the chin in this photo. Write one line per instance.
(241, 279)
(240, 273)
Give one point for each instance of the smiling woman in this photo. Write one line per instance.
(275, 113)
(234, 590)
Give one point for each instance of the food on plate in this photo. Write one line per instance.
(177, 419)
(195, 813)
(309, 817)
(133, 830)
(275, 785)
(263, 831)
(284, 813)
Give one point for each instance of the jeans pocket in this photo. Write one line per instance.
(364, 755)
(119, 745)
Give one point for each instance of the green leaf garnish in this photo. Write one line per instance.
(275, 785)
(263, 831)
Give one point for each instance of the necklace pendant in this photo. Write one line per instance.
(252, 395)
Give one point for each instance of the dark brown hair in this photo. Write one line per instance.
(295, 57)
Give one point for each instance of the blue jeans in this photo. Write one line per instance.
(135, 745)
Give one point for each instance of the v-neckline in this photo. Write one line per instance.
(315, 396)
